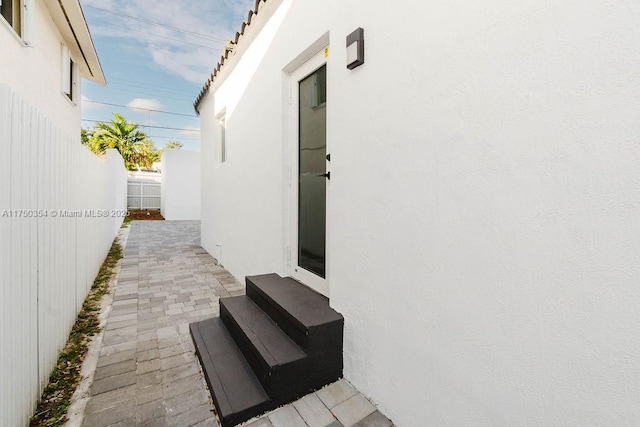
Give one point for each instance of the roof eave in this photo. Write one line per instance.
(246, 26)
(70, 20)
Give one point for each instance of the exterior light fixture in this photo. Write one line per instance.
(355, 49)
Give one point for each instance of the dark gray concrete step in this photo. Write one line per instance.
(256, 333)
(236, 391)
(302, 313)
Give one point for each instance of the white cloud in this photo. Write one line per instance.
(190, 65)
(144, 104)
(87, 104)
(105, 4)
(190, 53)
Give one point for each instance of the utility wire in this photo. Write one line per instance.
(145, 93)
(174, 137)
(148, 21)
(159, 36)
(142, 84)
(170, 92)
(146, 126)
(142, 108)
(171, 137)
(145, 90)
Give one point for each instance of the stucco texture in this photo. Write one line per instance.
(484, 203)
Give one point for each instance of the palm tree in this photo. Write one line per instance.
(173, 145)
(85, 136)
(134, 145)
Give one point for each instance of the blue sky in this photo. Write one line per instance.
(156, 55)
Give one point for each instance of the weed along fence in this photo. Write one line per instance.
(60, 209)
(144, 190)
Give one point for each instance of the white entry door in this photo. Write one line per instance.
(309, 174)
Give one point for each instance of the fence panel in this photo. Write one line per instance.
(144, 190)
(51, 247)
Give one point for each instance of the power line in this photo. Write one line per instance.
(147, 126)
(174, 137)
(170, 92)
(148, 21)
(109, 87)
(159, 36)
(142, 108)
(150, 91)
(142, 84)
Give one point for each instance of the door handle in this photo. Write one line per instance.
(326, 175)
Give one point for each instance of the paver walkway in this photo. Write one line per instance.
(147, 373)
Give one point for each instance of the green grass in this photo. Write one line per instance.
(63, 381)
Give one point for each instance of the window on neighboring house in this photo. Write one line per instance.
(17, 13)
(223, 139)
(68, 70)
(11, 12)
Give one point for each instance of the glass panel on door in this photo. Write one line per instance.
(312, 182)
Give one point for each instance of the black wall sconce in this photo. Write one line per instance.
(355, 49)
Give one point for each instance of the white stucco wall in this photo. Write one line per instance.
(34, 71)
(180, 185)
(484, 209)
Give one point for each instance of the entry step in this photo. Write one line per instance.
(297, 309)
(259, 332)
(236, 391)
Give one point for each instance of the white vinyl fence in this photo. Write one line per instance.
(144, 190)
(60, 209)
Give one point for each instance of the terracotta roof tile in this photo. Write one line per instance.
(225, 54)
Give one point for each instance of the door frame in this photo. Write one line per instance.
(308, 278)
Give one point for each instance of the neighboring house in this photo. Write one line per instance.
(60, 205)
(480, 231)
(46, 49)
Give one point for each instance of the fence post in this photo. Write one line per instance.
(141, 195)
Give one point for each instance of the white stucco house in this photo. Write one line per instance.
(51, 50)
(480, 227)
(50, 247)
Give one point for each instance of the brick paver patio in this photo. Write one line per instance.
(147, 373)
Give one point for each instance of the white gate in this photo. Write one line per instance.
(144, 190)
